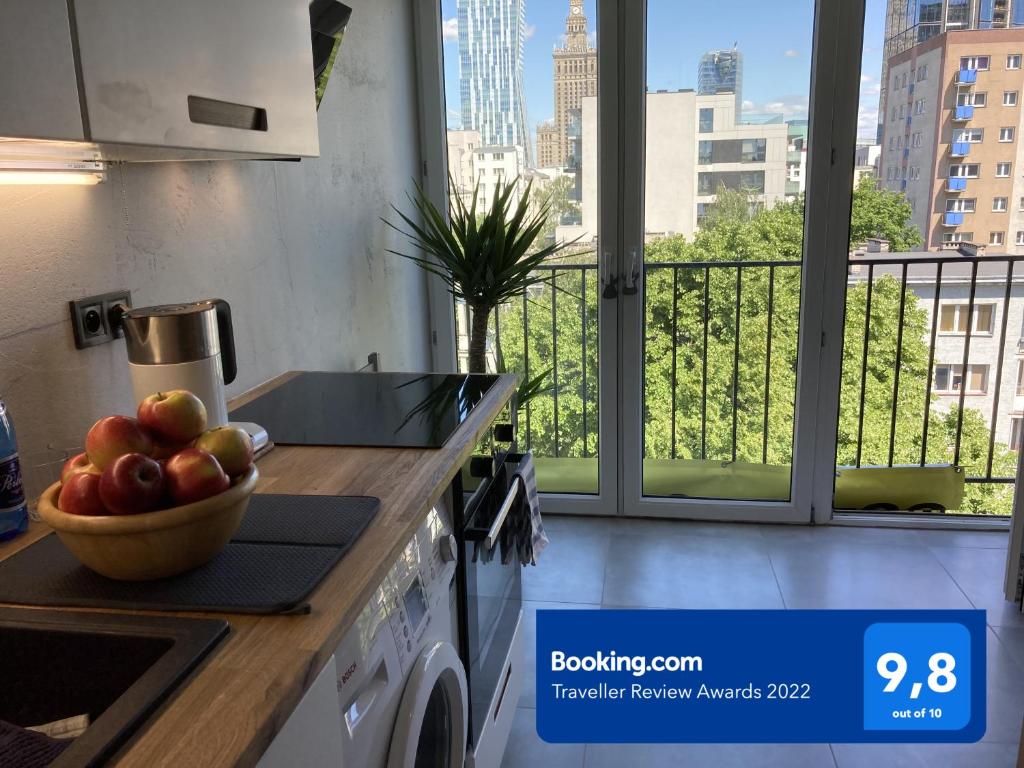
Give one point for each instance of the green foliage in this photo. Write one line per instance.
(485, 258)
(688, 407)
(558, 197)
(882, 213)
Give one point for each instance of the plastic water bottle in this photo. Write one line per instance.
(13, 509)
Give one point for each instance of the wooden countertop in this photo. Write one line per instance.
(229, 710)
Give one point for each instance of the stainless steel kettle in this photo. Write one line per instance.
(182, 346)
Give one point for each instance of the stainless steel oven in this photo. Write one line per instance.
(490, 599)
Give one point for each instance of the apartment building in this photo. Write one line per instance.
(995, 363)
(475, 167)
(694, 147)
(951, 138)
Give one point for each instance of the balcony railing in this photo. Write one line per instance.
(952, 219)
(963, 113)
(960, 149)
(967, 77)
(956, 184)
(720, 346)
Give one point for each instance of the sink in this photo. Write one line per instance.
(117, 668)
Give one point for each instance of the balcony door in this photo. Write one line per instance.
(724, 248)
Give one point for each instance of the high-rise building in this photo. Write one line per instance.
(910, 22)
(951, 138)
(491, 38)
(721, 72)
(575, 76)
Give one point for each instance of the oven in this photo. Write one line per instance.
(490, 597)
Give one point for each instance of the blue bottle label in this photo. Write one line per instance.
(12, 492)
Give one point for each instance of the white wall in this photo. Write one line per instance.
(298, 249)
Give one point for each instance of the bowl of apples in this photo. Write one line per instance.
(153, 495)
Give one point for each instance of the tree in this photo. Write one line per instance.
(882, 213)
(689, 407)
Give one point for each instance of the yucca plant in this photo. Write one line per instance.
(486, 257)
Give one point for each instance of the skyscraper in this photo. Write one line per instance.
(491, 38)
(910, 22)
(575, 76)
(721, 72)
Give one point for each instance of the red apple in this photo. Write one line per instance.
(230, 446)
(163, 449)
(77, 463)
(115, 436)
(80, 495)
(177, 416)
(194, 474)
(133, 483)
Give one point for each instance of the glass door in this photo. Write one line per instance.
(722, 247)
(529, 105)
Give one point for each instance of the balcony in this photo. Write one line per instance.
(967, 77)
(719, 354)
(963, 113)
(960, 149)
(952, 219)
(956, 184)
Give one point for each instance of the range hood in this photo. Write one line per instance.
(151, 80)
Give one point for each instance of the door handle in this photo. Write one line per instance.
(633, 275)
(609, 280)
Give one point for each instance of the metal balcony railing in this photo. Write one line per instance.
(967, 77)
(952, 219)
(956, 184)
(960, 149)
(717, 337)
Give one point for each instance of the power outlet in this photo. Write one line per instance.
(94, 318)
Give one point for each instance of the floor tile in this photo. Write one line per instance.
(681, 571)
(981, 755)
(1012, 639)
(979, 573)
(571, 568)
(528, 697)
(973, 539)
(1005, 693)
(831, 574)
(526, 749)
(709, 755)
(799, 535)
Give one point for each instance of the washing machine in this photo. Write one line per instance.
(401, 684)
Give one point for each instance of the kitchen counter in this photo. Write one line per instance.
(230, 709)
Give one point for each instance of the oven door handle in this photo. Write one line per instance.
(506, 506)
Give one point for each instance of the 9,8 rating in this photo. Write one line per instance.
(917, 677)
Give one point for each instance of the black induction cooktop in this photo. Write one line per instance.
(401, 410)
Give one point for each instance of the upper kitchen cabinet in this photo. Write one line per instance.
(158, 80)
(38, 85)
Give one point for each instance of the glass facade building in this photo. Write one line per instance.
(491, 38)
(721, 72)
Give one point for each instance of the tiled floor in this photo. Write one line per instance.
(665, 564)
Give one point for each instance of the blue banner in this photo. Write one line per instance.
(648, 676)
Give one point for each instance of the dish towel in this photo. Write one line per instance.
(529, 538)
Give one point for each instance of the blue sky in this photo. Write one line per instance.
(776, 48)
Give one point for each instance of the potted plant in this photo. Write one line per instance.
(486, 257)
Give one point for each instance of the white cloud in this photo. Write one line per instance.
(450, 29)
(791, 53)
(866, 78)
(792, 106)
(530, 31)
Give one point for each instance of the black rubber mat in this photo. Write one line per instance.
(283, 549)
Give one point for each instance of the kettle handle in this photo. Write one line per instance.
(226, 332)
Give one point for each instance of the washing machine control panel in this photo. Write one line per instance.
(420, 580)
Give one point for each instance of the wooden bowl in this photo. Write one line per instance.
(151, 545)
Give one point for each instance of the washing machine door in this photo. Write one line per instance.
(430, 731)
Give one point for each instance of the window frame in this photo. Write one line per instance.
(1011, 98)
(959, 310)
(1013, 57)
(1002, 132)
(1009, 170)
(995, 202)
(951, 375)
